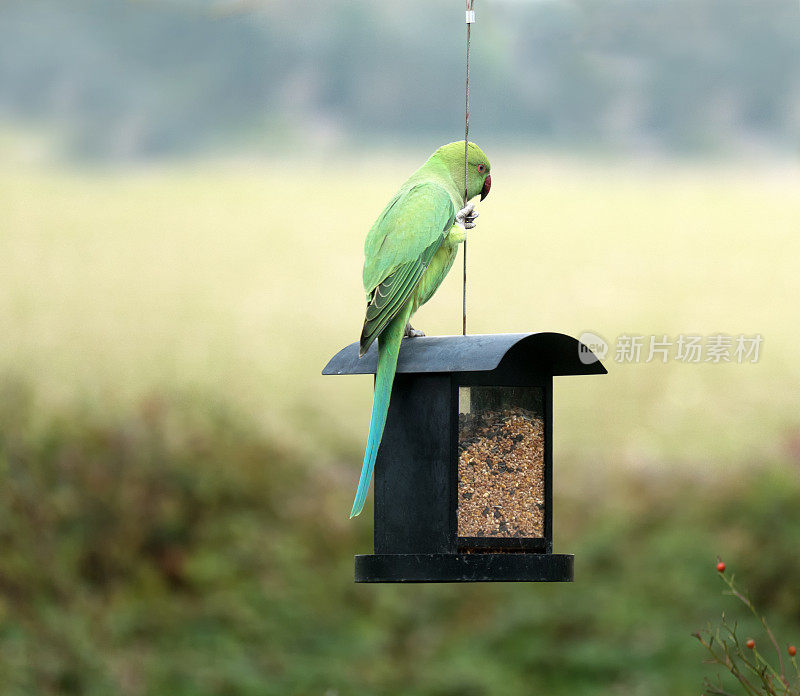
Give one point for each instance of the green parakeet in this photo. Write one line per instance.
(409, 251)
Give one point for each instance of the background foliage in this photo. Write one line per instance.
(177, 552)
(122, 79)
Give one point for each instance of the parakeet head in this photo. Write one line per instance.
(479, 179)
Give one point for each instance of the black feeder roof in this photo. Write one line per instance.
(553, 353)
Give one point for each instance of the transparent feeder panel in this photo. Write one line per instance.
(500, 462)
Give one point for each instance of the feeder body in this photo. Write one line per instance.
(463, 482)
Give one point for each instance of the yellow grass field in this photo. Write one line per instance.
(237, 281)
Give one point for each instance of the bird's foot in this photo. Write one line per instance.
(466, 216)
(411, 332)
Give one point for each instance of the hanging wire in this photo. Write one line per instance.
(470, 17)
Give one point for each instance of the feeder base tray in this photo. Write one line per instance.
(464, 567)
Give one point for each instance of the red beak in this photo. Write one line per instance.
(487, 184)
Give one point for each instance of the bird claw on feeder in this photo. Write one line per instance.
(466, 216)
(411, 332)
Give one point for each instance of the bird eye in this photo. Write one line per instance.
(481, 168)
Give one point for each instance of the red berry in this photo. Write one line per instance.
(750, 643)
(721, 567)
(792, 650)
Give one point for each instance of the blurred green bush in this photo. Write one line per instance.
(176, 551)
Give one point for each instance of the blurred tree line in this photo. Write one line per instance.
(124, 78)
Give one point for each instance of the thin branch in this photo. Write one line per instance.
(746, 601)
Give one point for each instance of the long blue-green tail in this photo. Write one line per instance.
(388, 350)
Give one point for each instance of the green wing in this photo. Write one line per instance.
(399, 248)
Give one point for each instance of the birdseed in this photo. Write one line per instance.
(501, 474)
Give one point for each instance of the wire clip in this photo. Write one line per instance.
(470, 16)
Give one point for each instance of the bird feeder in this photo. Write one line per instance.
(464, 475)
